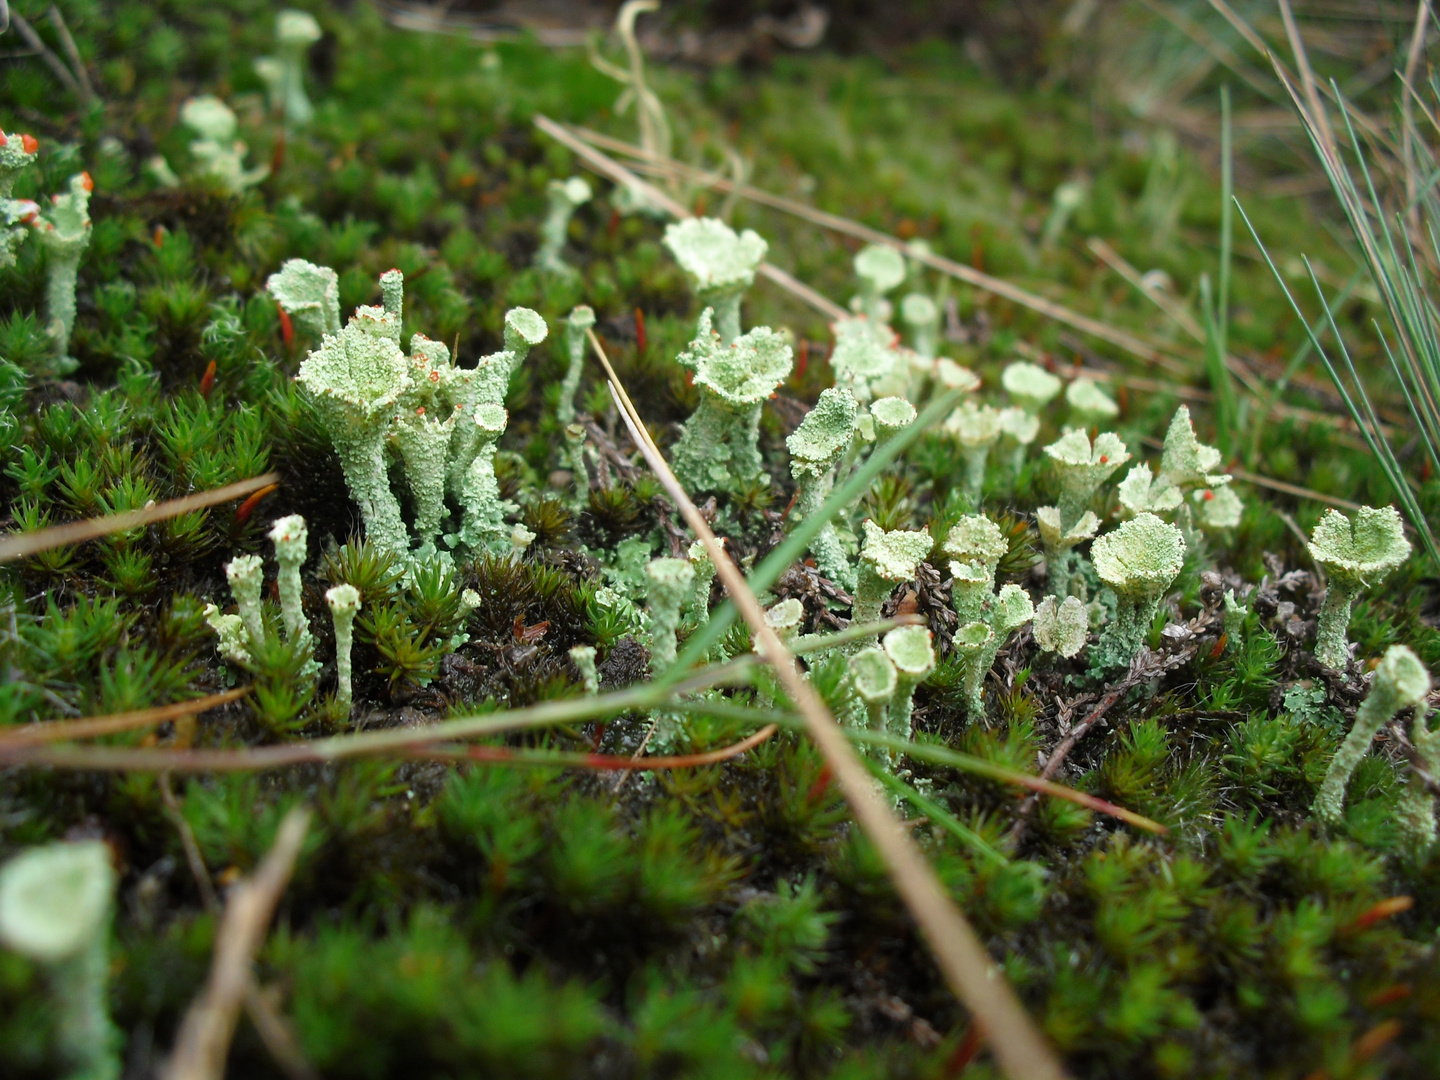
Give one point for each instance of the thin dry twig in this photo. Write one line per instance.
(91, 726)
(22, 545)
(973, 976)
(262, 1010)
(53, 62)
(835, 223)
(1146, 665)
(401, 742)
(72, 52)
(204, 1039)
(609, 167)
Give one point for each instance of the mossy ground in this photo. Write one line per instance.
(720, 921)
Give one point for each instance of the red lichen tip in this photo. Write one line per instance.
(87, 182)
(29, 143)
(1209, 495)
(4, 139)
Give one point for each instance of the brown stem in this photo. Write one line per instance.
(204, 1039)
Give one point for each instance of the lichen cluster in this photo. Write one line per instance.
(463, 527)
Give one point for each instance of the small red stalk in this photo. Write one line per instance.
(207, 381)
(640, 339)
(287, 328)
(247, 508)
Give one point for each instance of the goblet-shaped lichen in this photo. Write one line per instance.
(576, 337)
(976, 428)
(911, 650)
(284, 74)
(1355, 555)
(865, 360)
(921, 317)
(1061, 627)
(218, 154)
(1080, 467)
(565, 197)
(64, 230)
(880, 269)
(1401, 682)
(975, 545)
(482, 522)
(888, 558)
(1089, 405)
(1416, 812)
(668, 583)
(17, 153)
(55, 907)
(1030, 386)
(815, 446)
(719, 448)
(309, 294)
(344, 603)
(355, 379)
(875, 680)
(1018, 429)
(721, 266)
(1139, 560)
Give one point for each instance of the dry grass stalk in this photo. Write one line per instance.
(91, 726)
(609, 167)
(204, 1039)
(972, 975)
(23, 545)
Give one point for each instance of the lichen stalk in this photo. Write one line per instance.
(1401, 682)
(344, 601)
(580, 321)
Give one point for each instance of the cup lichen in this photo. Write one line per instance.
(1139, 560)
(719, 447)
(64, 230)
(55, 907)
(721, 265)
(889, 557)
(1355, 555)
(565, 197)
(815, 448)
(344, 603)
